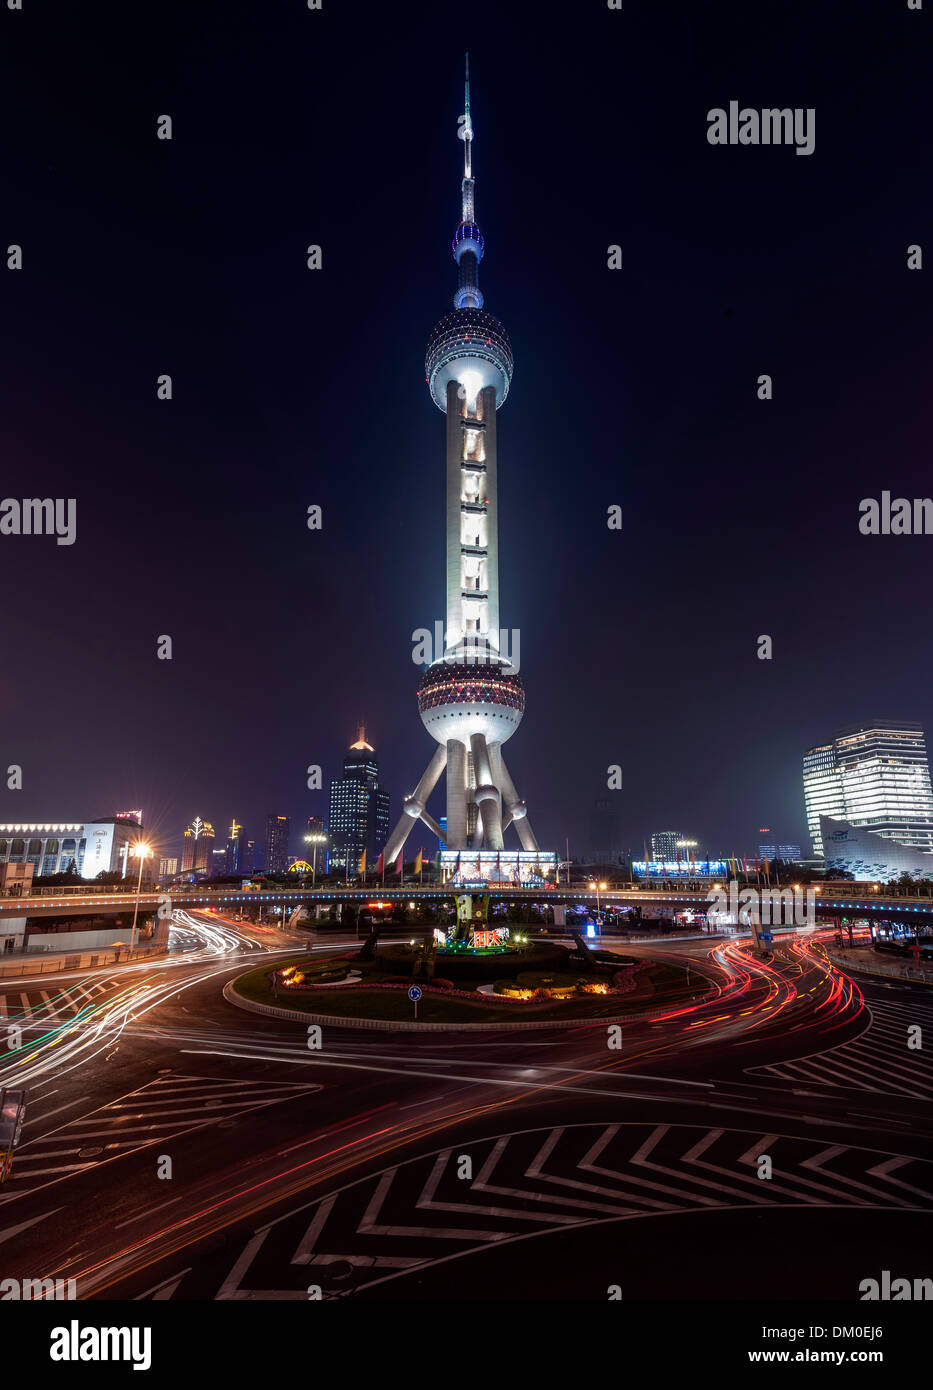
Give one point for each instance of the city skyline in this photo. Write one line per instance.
(598, 340)
(357, 1007)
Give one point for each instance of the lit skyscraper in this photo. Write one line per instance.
(359, 810)
(315, 843)
(198, 847)
(471, 698)
(873, 775)
(670, 845)
(235, 860)
(277, 834)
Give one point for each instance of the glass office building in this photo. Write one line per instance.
(875, 776)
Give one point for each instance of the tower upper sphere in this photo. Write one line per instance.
(472, 347)
(468, 346)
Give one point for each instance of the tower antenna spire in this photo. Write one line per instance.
(466, 135)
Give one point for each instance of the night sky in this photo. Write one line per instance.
(291, 387)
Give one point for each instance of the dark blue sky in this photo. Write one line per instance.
(740, 517)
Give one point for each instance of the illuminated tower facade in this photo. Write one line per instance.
(197, 847)
(471, 698)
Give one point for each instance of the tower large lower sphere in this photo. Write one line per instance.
(471, 699)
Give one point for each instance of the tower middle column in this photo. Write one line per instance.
(488, 397)
(456, 795)
(454, 630)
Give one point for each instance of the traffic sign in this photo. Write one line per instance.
(414, 994)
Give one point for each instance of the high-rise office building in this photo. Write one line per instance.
(358, 816)
(774, 849)
(235, 853)
(671, 845)
(277, 835)
(605, 827)
(198, 847)
(315, 847)
(873, 775)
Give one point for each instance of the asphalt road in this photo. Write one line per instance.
(179, 1148)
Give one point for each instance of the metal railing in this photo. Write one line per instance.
(42, 963)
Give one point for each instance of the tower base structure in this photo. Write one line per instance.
(485, 869)
(481, 804)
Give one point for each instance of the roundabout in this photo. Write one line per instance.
(533, 984)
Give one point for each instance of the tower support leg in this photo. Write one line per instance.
(415, 804)
(516, 810)
(487, 793)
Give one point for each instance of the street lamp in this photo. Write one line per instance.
(315, 840)
(597, 888)
(142, 853)
(686, 846)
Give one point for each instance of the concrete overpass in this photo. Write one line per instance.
(79, 903)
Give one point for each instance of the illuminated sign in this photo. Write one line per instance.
(667, 868)
(483, 940)
(501, 868)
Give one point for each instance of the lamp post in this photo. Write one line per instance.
(686, 846)
(597, 888)
(142, 852)
(315, 840)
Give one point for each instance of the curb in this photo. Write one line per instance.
(386, 1025)
(844, 964)
(47, 964)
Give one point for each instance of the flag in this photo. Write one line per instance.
(417, 862)
(380, 867)
(361, 866)
(399, 862)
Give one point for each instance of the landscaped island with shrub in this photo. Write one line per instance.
(538, 981)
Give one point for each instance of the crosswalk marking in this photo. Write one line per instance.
(418, 1212)
(877, 1060)
(35, 1006)
(139, 1119)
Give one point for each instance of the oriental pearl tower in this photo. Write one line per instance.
(471, 698)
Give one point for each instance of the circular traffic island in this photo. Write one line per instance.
(408, 988)
(465, 963)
